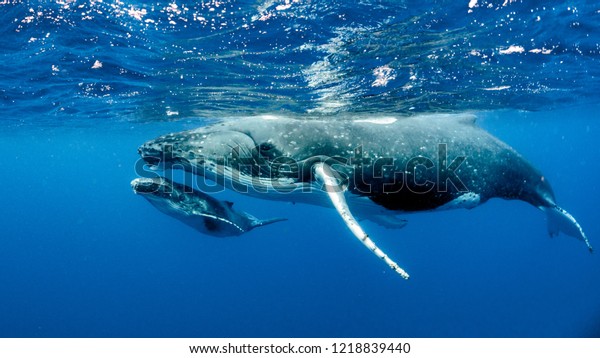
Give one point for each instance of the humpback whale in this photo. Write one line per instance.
(196, 209)
(368, 167)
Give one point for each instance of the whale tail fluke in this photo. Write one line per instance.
(559, 220)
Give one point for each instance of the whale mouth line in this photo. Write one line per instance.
(244, 181)
(151, 161)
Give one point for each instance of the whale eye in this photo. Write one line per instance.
(266, 147)
(268, 151)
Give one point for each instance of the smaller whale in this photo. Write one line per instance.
(196, 209)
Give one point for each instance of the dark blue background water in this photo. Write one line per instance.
(83, 256)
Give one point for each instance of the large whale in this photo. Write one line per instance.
(367, 167)
(196, 209)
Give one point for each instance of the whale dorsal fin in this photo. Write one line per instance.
(325, 174)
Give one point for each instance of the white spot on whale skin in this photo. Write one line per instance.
(382, 120)
(466, 201)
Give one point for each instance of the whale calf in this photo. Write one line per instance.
(196, 209)
(369, 167)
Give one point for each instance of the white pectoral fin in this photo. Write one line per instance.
(560, 220)
(254, 222)
(325, 174)
(387, 221)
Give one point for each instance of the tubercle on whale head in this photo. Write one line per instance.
(157, 187)
(147, 185)
(160, 151)
(193, 149)
(168, 151)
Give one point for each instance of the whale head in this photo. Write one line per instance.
(157, 189)
(244, 153)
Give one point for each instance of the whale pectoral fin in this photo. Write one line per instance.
(258, 222)
(560, 220)
(387, 221)
(325, 174)
(255, 222)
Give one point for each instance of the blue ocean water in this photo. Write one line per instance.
(84, 83)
